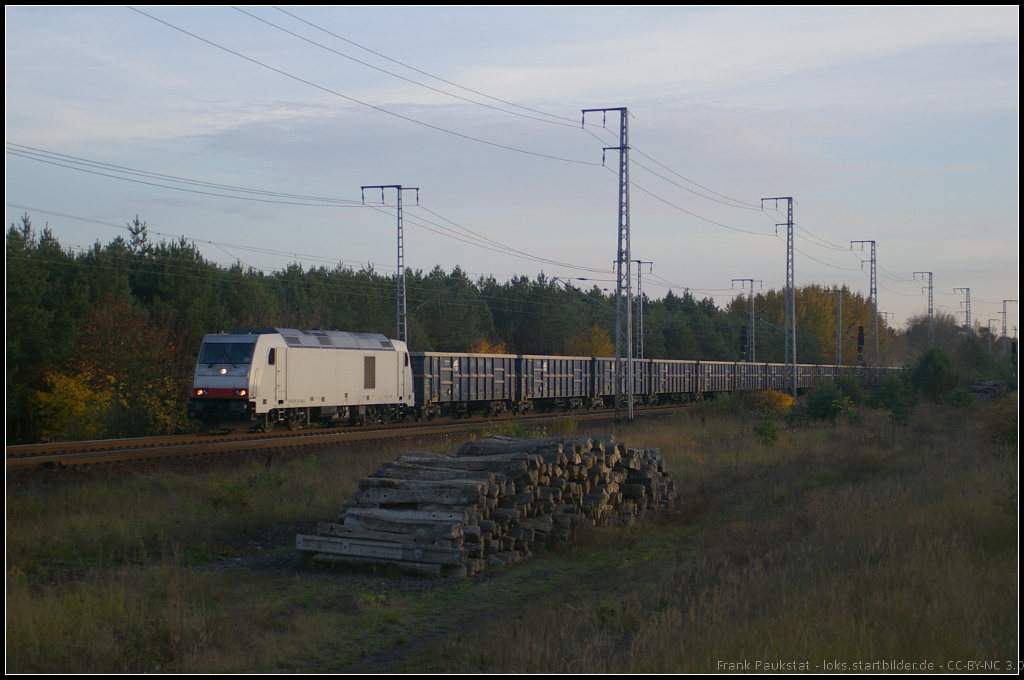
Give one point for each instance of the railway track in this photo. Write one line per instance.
(120, 450)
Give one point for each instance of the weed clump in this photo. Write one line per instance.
(999, 420)
(726, 404)
(766, 431)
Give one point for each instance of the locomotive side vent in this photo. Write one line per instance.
(369, 373)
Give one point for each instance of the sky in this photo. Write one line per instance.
(892, 124)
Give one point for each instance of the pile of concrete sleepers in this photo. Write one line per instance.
(492, 503)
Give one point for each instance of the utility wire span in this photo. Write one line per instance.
(357, 101)
(896, 277)
(749, 206)
(105, 170)
(83, 165)
(818, 241)
(743, 206)
(395, 75)
(417, 221)
(507, 249)
(572, 121)
(919, 294)
(557, 118)
(692, 214)
(252, 249)
(501, 249)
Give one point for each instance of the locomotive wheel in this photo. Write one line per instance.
(295, 423)
(268, 424)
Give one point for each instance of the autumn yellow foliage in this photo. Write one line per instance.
(482, 346)
(71, 408)
(590, 342)
(772, 402)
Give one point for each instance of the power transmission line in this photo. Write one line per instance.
(357, 101)
(394, 75)
(413, 68)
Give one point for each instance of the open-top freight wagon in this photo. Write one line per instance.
(257, 378)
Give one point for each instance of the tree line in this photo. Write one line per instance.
(102, 343)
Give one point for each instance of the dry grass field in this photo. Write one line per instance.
(836, 545)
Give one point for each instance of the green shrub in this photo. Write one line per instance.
(961, 397)
(720, 405)
(934, 376)
(852, 389)
(897, 397)
(826, 402)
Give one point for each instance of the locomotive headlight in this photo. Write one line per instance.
(241, 393)
(199, 392)
(223, 371)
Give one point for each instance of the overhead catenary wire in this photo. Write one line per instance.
(415, 220)
(35, 152)
(400, 77)
(743, 206)
(560, 119)
(83, 166)
(688, 212)
(358, 101)
(429, 75)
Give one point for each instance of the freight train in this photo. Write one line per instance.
(257, 378)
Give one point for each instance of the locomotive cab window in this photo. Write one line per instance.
(272, 356)
(226, 352)
(369, 373)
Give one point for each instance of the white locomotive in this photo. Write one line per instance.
(258, 377)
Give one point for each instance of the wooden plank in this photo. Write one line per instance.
(422, 484)
(409, 471)
(379, 550)
(437, 496)
(342, 531)
(448, 516)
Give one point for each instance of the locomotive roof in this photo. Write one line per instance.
(295, 337)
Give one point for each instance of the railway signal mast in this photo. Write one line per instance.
(873, 322)
(790, 325)
(751, 353)
(623, 279)
(402, 316)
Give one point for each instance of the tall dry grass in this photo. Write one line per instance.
(148, 519)
(852, 542)
(839, 544)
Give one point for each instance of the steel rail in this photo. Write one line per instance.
(120, 450)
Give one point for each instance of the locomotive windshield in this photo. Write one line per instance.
(226, 352)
